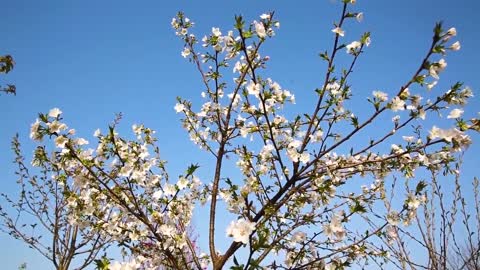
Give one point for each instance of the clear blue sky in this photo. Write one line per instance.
(95, 58)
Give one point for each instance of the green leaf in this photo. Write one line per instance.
(247, 34)
(324, 56)
(419, 79)
(102, 264)
(439, 49)
(355, 121)
(365, 37)
(462, 125)
(420, 187)
(237, 266)
(437, 31)
(239, 23)
(192, 168)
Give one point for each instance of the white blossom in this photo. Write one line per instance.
(240, 230)
(260, 29)
(455, 113)
(34, 131)
(55, 112)
(455, 46)
(337, 30)
(335, 228)
(186, 52)
(179, 107)
(397, 104)
(216, 31)
(381, 96)
(265, 16)
(359, 16)
(353, 47)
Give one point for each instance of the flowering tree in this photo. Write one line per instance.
(447, 229)
(294, 203)
(41, 218)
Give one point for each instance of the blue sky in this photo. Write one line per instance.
(93, 59)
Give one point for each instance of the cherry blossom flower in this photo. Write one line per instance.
(179, 107)
(260, 29)
(337, 30)
(455, 46)
(353, 47)
(132, 265)
(381, 96)
(34, 131)
(55, 112)
(186, 52)
(60, 141)
(449, 135)
(240, 230)
(397, 104)
(368, 41)
(431, 85)
(216, 31)
(335, 228)
(452, 32)
(253, 88)
(265, 16)
(334, 88)
(455, 113)
(56, 127)
(359, 16)
(436, 68)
